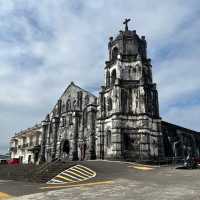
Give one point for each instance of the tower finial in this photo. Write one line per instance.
(126, 21)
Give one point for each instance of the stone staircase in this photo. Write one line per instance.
(34, 173)
(50, 170)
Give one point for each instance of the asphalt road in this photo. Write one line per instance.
(115, 180)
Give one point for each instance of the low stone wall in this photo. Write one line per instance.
(20, 172)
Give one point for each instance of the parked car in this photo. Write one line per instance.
(14, 161)
(197, 160)
(190, 163)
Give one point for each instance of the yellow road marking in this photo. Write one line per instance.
(65, 178)
(86, 176)
(142, 168)
(67, 174)
(77, 185)
(4, 196)
(86, 172)
(145, 165)
(70, 171)
(81, 166)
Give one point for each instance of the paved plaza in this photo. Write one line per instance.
(114, 180)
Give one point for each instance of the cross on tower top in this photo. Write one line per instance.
(126, 21)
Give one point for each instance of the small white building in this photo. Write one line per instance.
(26, 145)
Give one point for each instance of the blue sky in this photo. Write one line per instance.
(44, 45)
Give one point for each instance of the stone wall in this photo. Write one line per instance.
(180, 142)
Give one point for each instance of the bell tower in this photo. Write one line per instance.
(129, 125)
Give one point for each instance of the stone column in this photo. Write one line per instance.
(117, 97)
(116, 138)
(156, 105)
(100, 124)
(102, 140)
(92, 130)
(75, 138)
(55, 122)
(194, 146)
(98, 139)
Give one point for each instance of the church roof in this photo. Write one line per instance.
(72, 84)
(71, 90)
(167, 124)
(35, 128)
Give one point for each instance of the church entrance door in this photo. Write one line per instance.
(102, 146)
(65, 148)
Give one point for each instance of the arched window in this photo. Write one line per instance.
(108, 139)
(64, 121)
(109, 104)
(63, 108)
(74, 104)
(79, 97)
(108, 79)
(113, 77)
(124, 101)
(85, 118)
(68, 105)
(87, 99)
(115, 52)
(70, 119)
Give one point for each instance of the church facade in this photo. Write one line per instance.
(123, 122)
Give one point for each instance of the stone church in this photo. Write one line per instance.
(123, 122)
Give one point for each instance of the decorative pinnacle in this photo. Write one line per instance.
(126, 21)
